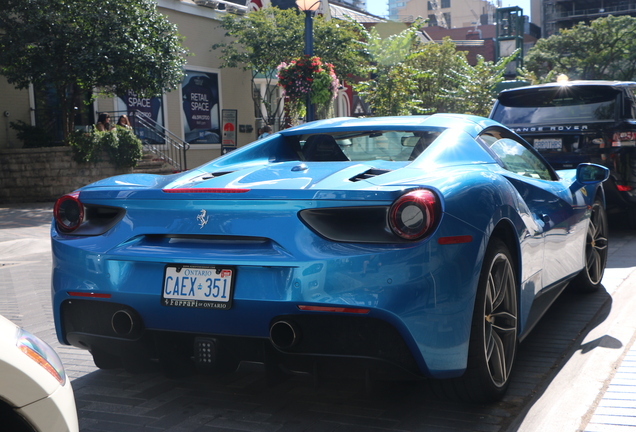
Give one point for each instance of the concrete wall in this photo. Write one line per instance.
(45, 174)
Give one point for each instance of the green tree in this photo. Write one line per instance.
(437, 79)
(474, 88)
(392, 84)
(80, 45)
(409, 77)
(265, 38)
(604, 49)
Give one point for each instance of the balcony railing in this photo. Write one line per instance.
(622, 8)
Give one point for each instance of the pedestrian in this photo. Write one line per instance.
(124, 122)
(103, 122)
(267, 130)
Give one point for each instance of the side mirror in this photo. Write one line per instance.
(587, 173)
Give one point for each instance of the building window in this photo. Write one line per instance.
(445, 4)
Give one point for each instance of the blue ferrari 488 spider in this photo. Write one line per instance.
(422, 246)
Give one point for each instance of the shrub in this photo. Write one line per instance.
(120, 144)
(86, 146)
(33, 136)
(129, 151)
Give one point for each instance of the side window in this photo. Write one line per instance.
(630, 102)
(517, 158)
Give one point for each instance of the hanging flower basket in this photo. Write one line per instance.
(307, 75)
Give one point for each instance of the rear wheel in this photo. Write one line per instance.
(493, 337)
(596, 249)
(630, 212)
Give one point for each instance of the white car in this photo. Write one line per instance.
(35, 393)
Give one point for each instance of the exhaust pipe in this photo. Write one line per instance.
(284, 334)
(122, 323)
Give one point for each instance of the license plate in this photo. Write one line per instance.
(548, 143)
(208, 287)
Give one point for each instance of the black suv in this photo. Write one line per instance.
(580, 121)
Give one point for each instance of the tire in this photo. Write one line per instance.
(630, 213)
(12, 421)
(596, 250)
(493, 336)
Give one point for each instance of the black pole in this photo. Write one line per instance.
(309, 51)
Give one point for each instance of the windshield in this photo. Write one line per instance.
(365, 146)
(569, 104)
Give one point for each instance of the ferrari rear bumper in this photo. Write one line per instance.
(320, 340)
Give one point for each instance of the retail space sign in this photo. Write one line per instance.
(132, 103)
(200, 92)
(229, 127)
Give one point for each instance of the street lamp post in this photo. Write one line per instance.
(309, 7)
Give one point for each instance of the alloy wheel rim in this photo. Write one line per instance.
(596, 246)
(500, 330)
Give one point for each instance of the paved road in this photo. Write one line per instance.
(244, 401)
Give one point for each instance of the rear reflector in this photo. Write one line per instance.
(454, 240)
(623, 188)
(88, 294)
(205, 190)
(332, 309)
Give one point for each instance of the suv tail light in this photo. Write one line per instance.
(413, 215)
(624, 139)
(68, 212)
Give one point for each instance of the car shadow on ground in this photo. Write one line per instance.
(245, 400)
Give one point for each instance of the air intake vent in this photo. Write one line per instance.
(373, 172)
(216, 174)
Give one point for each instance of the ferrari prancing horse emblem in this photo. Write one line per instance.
(203, 218)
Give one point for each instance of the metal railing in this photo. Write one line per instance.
(160, 141)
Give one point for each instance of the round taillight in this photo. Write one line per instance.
(413, 214)
(68, 212)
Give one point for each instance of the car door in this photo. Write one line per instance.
(553, 206)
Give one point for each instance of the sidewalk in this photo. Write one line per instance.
(616, 409)
(588, 393)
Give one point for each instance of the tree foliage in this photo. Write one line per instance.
(474, 90)
(265, 38)
(604, 49)
(410, 77)
(436, 80)
(392, 86)
(79, 45)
